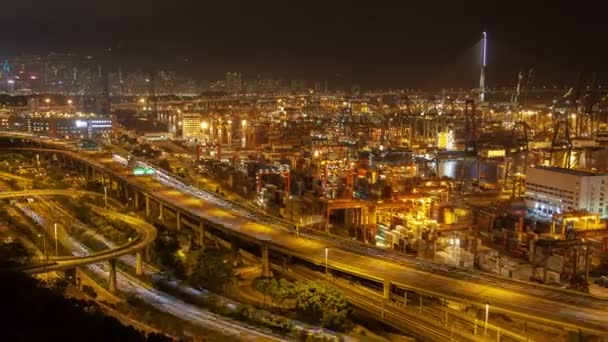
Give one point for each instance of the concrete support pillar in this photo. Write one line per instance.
(112, 276)
(387, 289)
(139, 266)
(201, 234)
(147, 253)
(86, 168)
(179, 220)
(136, 195)
(147, 206)
(160, 210)
(127, 195)
(94, 174)
(265, 261)
(327, 214)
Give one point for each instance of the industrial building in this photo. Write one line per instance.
(69, 125)
(554, 190)
(191, 126)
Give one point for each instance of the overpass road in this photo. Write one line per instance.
(158, 299)
(146, 235)
(528, 301)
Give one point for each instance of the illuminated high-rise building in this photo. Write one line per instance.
(234, 82)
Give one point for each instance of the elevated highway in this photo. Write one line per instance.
(132, 285)
(146, 233)
(522, 300)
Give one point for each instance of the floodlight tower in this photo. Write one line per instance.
(482, 76)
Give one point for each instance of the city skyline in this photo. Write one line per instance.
(376, 47)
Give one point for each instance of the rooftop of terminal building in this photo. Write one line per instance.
(62, 115)
(574, 172)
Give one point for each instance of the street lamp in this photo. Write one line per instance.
(105, 195)
(298, 228)
(486, 319)
(56, 244)
(43, 237)
(326, 255)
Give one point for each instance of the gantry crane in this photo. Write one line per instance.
(282, 170)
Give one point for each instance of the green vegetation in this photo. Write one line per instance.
(315, 302)
(323, 304)
(165, 252)
(278, 290)
(13, 254)
(208, 268)
(94, 185)
(224, 307)
(135, 307)
(11, 162)
(114, 229)
(182, 172)
(126, 139)
(164, 164)
(24, 225)
(54, 179)
(211, 269)
(13, 184)
(146, 151)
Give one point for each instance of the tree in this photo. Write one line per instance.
(13, 254)
(164, 164)
(285, 290)
(325, 303)
(13, 184)
(246, 313)
(192, 260)
(182, 172)
(165, 249)
(278, 290)
(212, 271)
(263, 285)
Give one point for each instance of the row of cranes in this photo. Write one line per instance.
(575, 116)
(418, 120)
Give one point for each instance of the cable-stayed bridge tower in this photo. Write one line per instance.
(482, 76)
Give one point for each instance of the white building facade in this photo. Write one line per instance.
(554, 190)
(191, 126)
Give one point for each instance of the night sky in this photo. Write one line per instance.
(373, 43)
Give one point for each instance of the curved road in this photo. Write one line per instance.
(164, 302)
(146, 235)
(538, 303)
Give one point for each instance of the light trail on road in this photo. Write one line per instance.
(163, 301)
